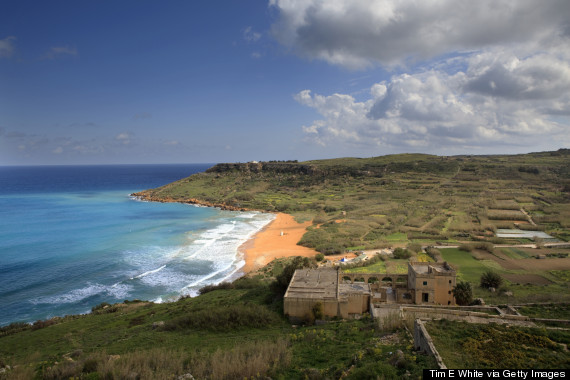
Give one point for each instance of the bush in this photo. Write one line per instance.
(279, 286)
(224, 318)
(490, 279)
(435, 254)
(318, 310)
(463, 293)
(401, 253)
(221, 285)
(319, 257)
(415, 247)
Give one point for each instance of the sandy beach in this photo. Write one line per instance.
(269, 244)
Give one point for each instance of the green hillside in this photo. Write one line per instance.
(232, 332)
(380, 201)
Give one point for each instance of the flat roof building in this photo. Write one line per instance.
(348, 294)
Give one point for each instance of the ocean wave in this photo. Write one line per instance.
(148, 272)
(117, 291)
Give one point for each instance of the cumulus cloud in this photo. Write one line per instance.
(60, 51)
(7, 47)
(472, 74)
(433, 109)
(361, 33)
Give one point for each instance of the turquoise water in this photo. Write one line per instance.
(73, 237)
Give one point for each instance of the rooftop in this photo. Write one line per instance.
(313, 283)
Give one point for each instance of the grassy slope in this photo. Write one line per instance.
(89, 344)
(394, 199)
(464, 345)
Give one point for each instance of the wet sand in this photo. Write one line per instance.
(269, 243)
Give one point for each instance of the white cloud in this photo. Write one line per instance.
(466, 73)
(125, 138)
(361, 33)
(434, 109)
(60, 51)
(7, 47)
(250, 36)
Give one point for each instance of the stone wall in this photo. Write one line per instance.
(423, 342)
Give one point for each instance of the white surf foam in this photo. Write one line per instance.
(149, 272)
(118, 291)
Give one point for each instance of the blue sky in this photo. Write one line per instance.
(99, 82)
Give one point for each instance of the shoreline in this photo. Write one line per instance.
(146, 196)
(268, 243)
(277, 239)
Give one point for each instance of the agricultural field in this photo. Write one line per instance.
(397, 199)
(525, 278)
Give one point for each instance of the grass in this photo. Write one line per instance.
(468, 268)
(378, 267)
(465, 345)
(553, 311)
(388, 200)
(132, 342)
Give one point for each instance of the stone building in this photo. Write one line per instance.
(345, 295)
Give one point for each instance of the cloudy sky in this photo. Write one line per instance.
(90, 82)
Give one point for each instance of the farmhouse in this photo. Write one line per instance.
(345, 295)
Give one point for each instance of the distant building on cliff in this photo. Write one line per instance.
(345, 295)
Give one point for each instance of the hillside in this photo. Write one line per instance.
(374, 202)
(229, 332)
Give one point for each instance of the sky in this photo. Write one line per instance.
(124, 82)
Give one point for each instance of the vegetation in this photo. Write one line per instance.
(465, 345)
(463, 293)
(237, 330)
(490, 279)
(406, 199)
(232, 331)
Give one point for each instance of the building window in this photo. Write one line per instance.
(449, 292)
(425, 297)
(450, 281)
(425, 282)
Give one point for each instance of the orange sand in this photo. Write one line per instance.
(268, 244)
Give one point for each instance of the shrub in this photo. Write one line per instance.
(319, 257)
(414, 247)
(463, 293)
(490, 279)
(434, 253)
(224, 318)
(221, 285)
(401, 253)
(279, 286)
(318, 310)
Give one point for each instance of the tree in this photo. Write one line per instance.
(279, 286)
(401, 253)
(490, 279)
(463, 293)
(415, 247)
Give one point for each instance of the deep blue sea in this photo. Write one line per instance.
(71, 237)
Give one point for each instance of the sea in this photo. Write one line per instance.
(72, 237)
